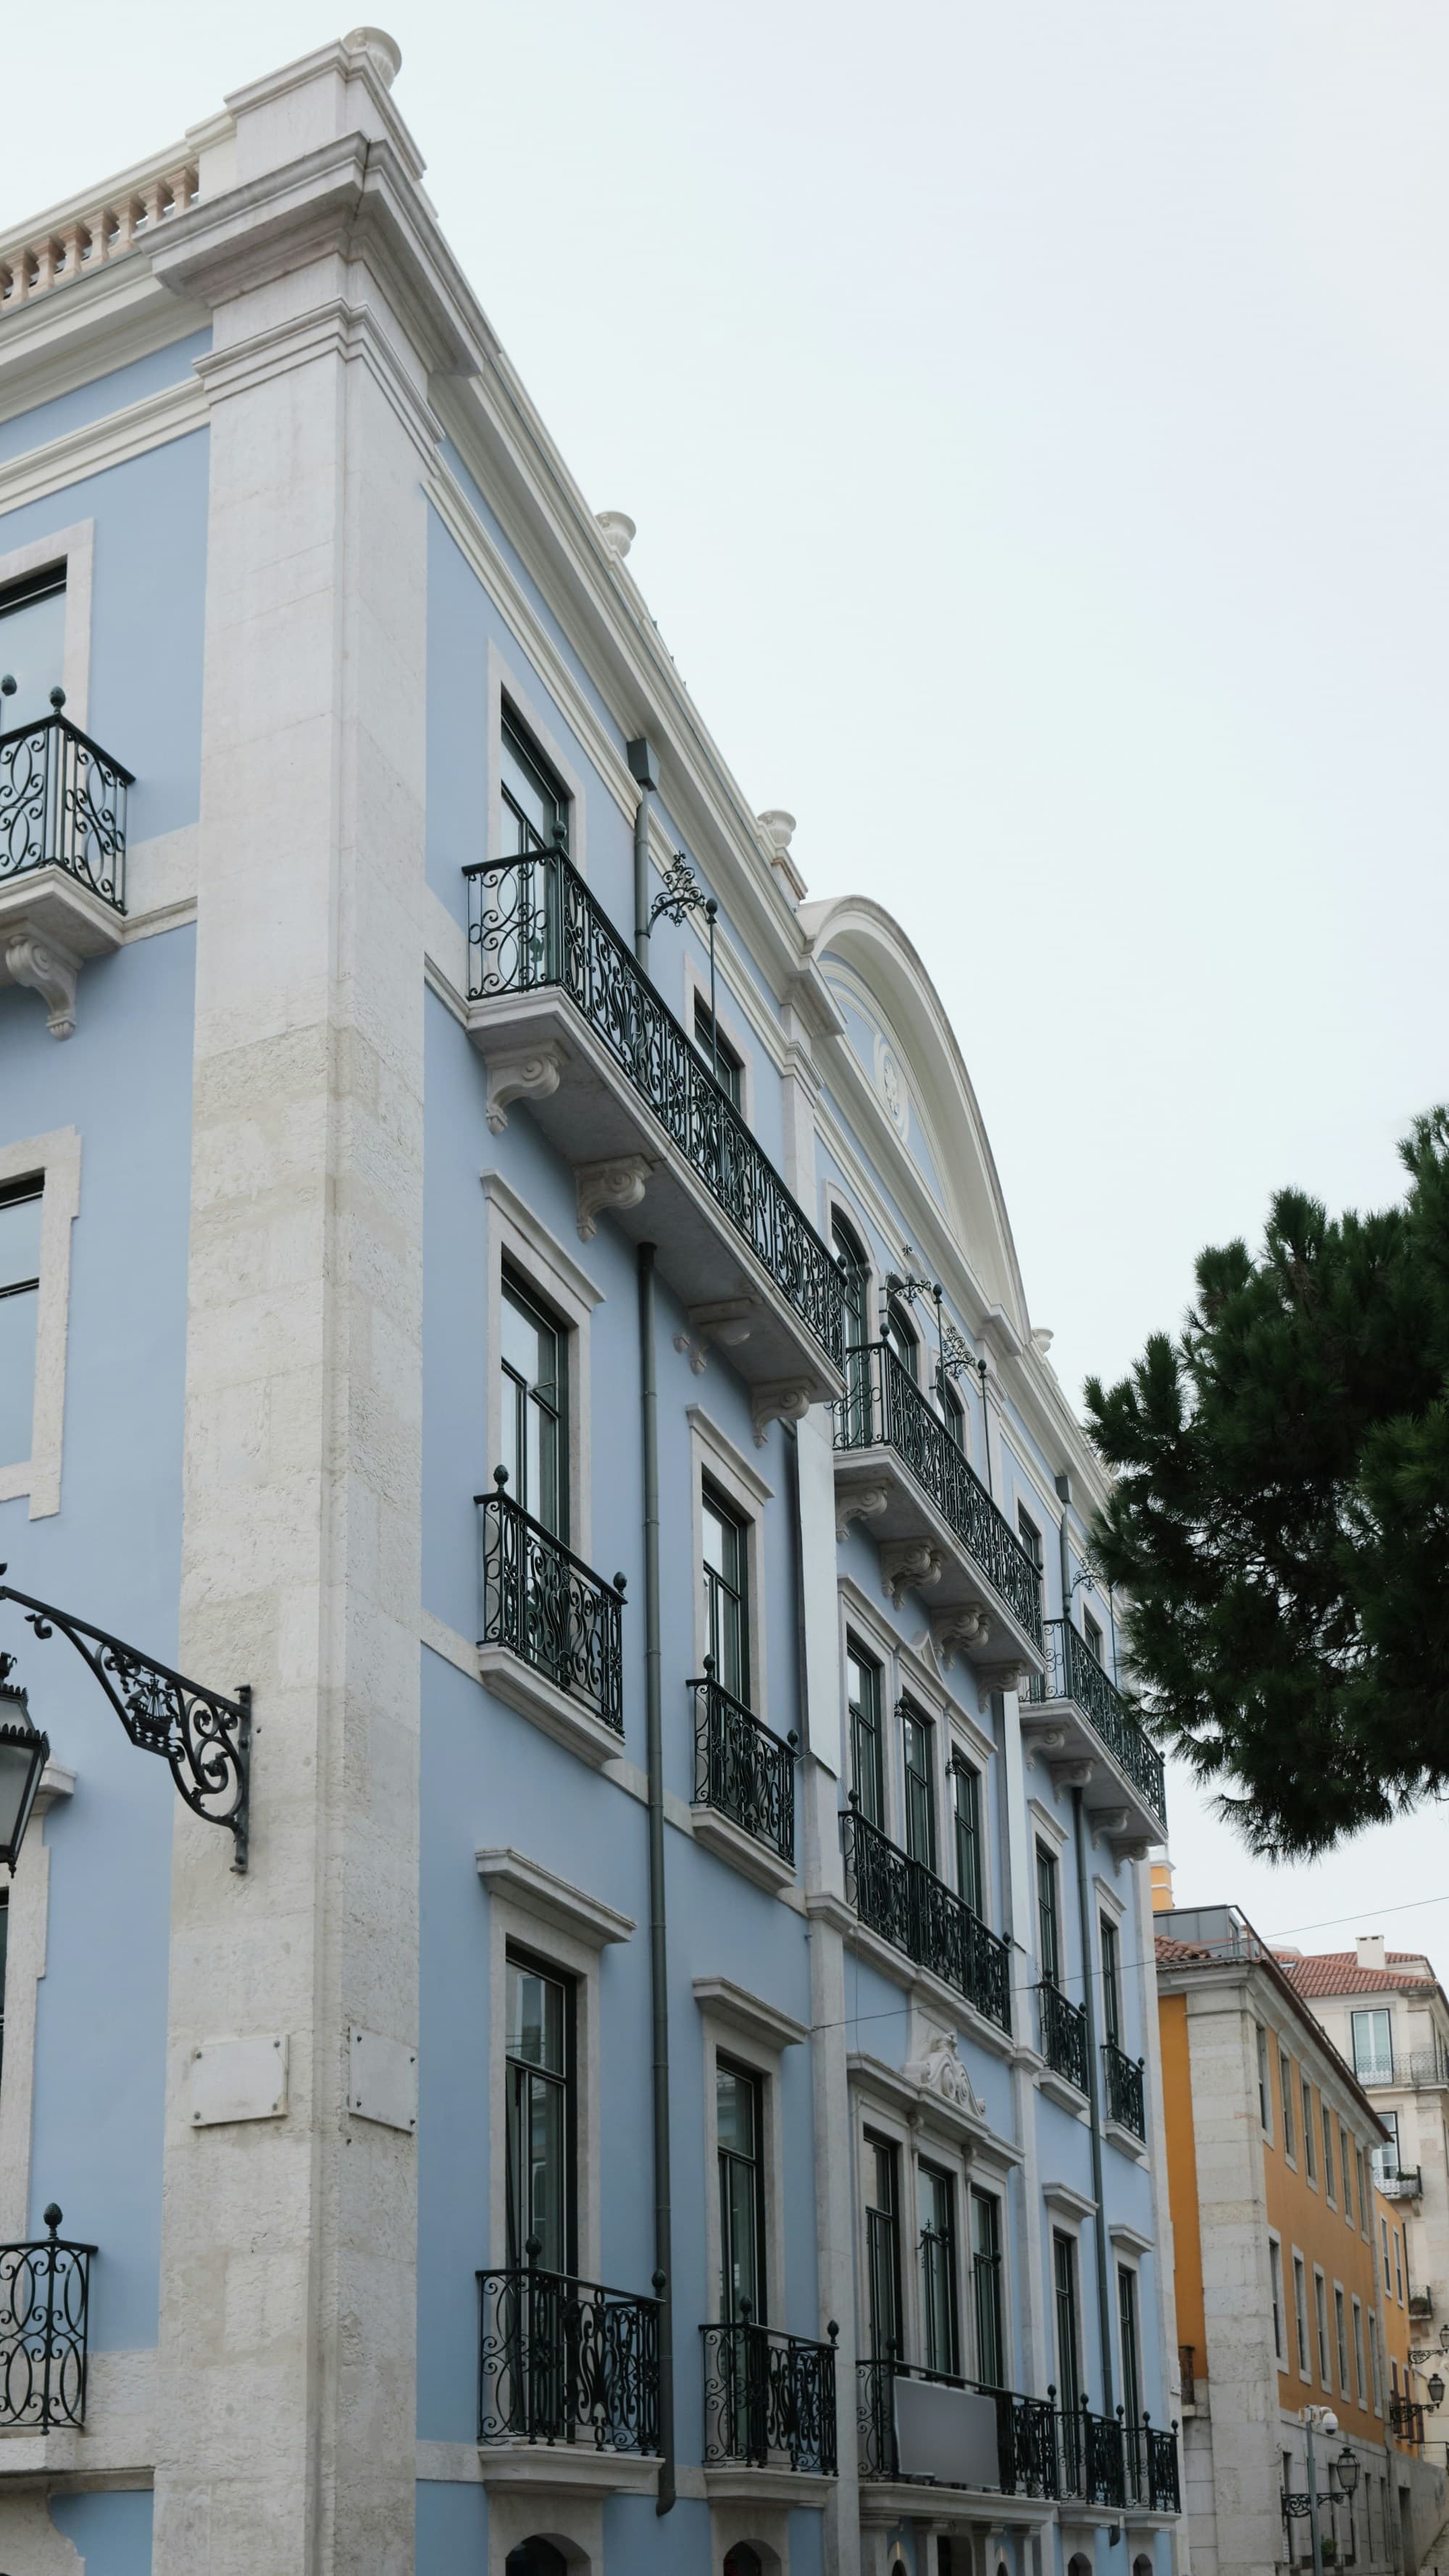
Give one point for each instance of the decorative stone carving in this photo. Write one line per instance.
(693, 1351)
(778, 828)
(617, 530)
(1073, 1775)
(533, 1075)
(954, 1631)
(618, 1183)
(1004, 1677)
(858, 1503)
(909, 1565)
(1134, 1846)
(382, 50)
(726, 1320)
(1038, 1742)
(940, 2071)
(50, 971)
(786, 1399)
(1106, 1822)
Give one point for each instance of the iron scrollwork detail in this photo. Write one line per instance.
(44, 2306)
(203, 1735)
(63, 805)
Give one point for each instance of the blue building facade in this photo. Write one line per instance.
(493, 1272)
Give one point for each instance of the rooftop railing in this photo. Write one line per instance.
(44, 2306)
(884, 1407)
(549, 1607)
(909, 1906)
(1074, 1673)
(532, 925)
(563, 2360)
(740, 1768)
(769, 2398)
(62, 805)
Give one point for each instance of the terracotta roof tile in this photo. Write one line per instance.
(1337, 1972)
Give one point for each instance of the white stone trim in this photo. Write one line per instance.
(712, 1454)
(542, 1263)
(504, 682)
(173, 412)
(56, 1158)
(1050, 1826)
(74, 550)
(761, 2025)
(1129, 2240)
(748, 2042)
(1067, 2202)
(567, 1912)
(29, 1913)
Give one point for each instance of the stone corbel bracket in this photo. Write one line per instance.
(1038, 1742)
(532, 1074)
(693, 1351)
(1012, 1677)
(1107, 1823)
(1135, 1846)
(618, 1183)
(858, 1503)
(909, 1565)
(786, 1399)
(726, 1320)
(955, 1632)
(50, 970)
(1072, 1775)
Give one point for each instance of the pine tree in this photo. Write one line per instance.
(1280, 1520)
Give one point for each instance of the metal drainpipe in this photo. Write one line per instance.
(1089, 1996)
(658, 1940)
(643, 765)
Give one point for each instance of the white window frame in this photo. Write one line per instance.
(1340, 2338)
(1365, 2212)
(539, 1260)
(1278, 2297)
(754, 2035)
(1265, 2082)
(1310, 2139)
(505, 681)
(55, 1160)
(1327, 2149)
(1303, 2342)
(29, 1910)
(71, 551)
(1320, 2326)
(1286, 2104)
(714, 1456)
(732, 1027)
(1359, 2373)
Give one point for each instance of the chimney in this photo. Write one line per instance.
(1162, 1887)
(1369, 1951)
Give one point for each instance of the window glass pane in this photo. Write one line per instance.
(1030, 1537)
(20, 1240)
(1111, 1986)
(18, 1317)
(966, 1802)
(867, 1770)
(32, 650)
(535, 2018)
(920, 1803)
(726, 1608)
(735, 2110)
(1373, 2056)
(532, 803)
(723, 1061)
(1092, 1633)
(986, 2288)
(938, 2272)
(1046, 1907)
(901, 1338)
(532, 1408)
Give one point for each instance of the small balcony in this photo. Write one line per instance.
(62, 858)
(1406, 2423)
(744, 1784)
(907, 1905)
(899, 1471)
(1105, 2460)
(1077, 1703)
(1063, 2027)
(1123, 2089)
(769, 2400)
(1401, 2182)
(44, 2305)
(923, 2426)
(569, 1023)
(1426, 2069)
(1421, 2303)
(553, 1630)
(567, 2363)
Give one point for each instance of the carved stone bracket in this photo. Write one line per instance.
(785, 1399)
(618, 1183)
(50, 971)
(1039, 1741)
(725, 1319)
(1072, 1775)
(1011, 1677)
(531, 1075)
(858, 1503)
(953, 1632)
(1108, 1822)
(693, 1351)
(909, 1565)
(1134, 1846)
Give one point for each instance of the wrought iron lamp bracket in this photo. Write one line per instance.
(204, 1736)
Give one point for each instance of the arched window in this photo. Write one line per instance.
(536, 2557)
(901, 1336)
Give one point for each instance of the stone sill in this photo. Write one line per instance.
(550, 1709)
(571, 2468)
(728, 1841)
(735, 2482)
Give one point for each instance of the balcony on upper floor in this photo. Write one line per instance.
(925, 2426)
(908, 1906)
(1125, 2105)
(744, 1784)
(1063, 2026)
(1078, 1712)
(568, 1022)
(1105, 2460)
(1400, 2182)
(62, 858)
(898, 1469)
(566, 2364)
(44, 2311)
(553, 1630)
(769, 2399)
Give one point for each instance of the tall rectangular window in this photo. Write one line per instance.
(1310, 2143)
(1340, 2330)
(917, 1745)
(1373, 2047)
(1320, 2321)
(1364, 2213)
(1275, 2276)
(32, 645)
(1030, 1536)
(717, 1052)
(1131, 2353)
(1069, 2358)
(1048, 1923)
(533, 1371)
(20, 1207)
(1285, 2089)
(940, 2339)
(1376, 2373)
(535, 806)
(986, 2289)
(966, 1822)
(1384, 2243)
(738, 2135)
(883, 2249)
(1111, 1983)
(1265, 2099)
(1399, 2265)
(1328, 2185)
(540, 2117)
(1345, 2167)
(1300, 2314)
(867, 1769)
(726, 1593)
(1093, 1635)
(1358, 2369)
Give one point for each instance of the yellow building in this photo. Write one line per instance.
(1290, 2272)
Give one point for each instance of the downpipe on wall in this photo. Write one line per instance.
(658, 1932)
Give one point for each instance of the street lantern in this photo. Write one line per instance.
(1346, 2471)
(1436, 2390)
(24, 1753)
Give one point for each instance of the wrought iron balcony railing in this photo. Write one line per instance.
(1074, 1673)
(545, 1604)
(44, 2302)
(562, 2360)
(1150, 2454)
(63, 805)
(1063, 2034)
(1421, 2300)
(1026, 2443)
(1105, 2460)
(1401, 2182)
(884, 1408)
(918, 1914)
(1421, 2067)
(1124, 2089)
(740, 1768)
(769, 2398)
(532, 923)
(1406, 2420)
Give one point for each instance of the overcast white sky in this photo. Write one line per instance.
(1036, 421)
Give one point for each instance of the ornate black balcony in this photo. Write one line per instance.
(44, 2300)
(1124, 2089)
(769, 2398)
(545, 1604)
(1026, 2446)
(533, 927)
(63, 805)
(562, 2360)
(1406, 2420)
(884, 1408)
(741, 1769)
(918, 1914)
(1093, 2455)
(1074, 1673)
(1063, 2034)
